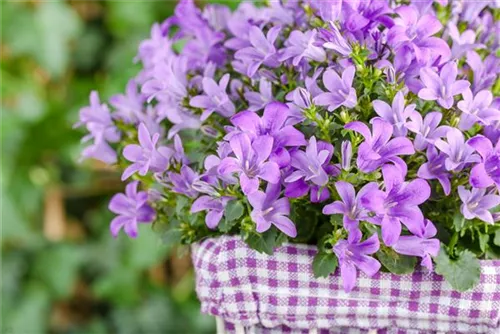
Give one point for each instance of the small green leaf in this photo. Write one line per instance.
(496, 240)
(180, 204)
(462, 273)
(458, 221)
(234, 210)
(483, 241)
(396, 263)
(262, 242)
(324, 264)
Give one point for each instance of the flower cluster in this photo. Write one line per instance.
(371, 128)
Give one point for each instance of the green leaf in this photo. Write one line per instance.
(483, 241)
(396, 263)
(462, 273)
(234, 210)
(262, 242)
(496, 240)
(181, 203)
(458, 221)
(324, 264)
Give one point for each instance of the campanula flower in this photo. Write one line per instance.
(397, 114)
(477, 109)
(132, 209)
(250, 161)
(487, 172)
(442, 87)
(378, 147)
(214, 206)
(340, 90)
(427, 130)
(146, 157)
(477, 202)
(269, 209)
(352, 255)
(215, 98)
(301, 45)
(258, 100)
(458, 152)
(435, 169)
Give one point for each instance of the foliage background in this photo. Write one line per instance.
(61, 270)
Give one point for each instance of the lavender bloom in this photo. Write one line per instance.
(301, 100)
(459, 154)
(269, 209)
(178, 154)
(462, 42)
(341, 92)
(214, 207)
(485, 72)
(352, 255)
(156, 49)
(350, 207)
(477, 203)
(250, 161)
(442, 87)
(132, 208)
(301, 45)
(397, 115)
(487, 172)
(476, 109)
(129, 106)
(146, 157)
(183, 183)
(434, 169)
(346, 155)
(309, 164)
(168, 81)
(415, 31)
(272, 123)
(333, 40)
(427, 130)
(262, 51)
(215, 100)
(398, 204)
(329, 9)
(378, 148)
(423, 247)
(258, 100)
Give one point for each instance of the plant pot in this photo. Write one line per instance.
(251, 292)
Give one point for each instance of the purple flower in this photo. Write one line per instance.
(411, 29)
(129, 106)
(272, 123)
(341, 92)
(427, 130)
(301, 45)
(487, 172)
(309, 164)
(156, 49)
(178, 154)
(214, 207)
(168, 81)
(477, 203)
(258, 100)
(462, 42)
(311, 171)
(350, 206)
(183, 183)
(269, 209)
(346, 155)
(215, 100)
(250, 161)
(442, 87)
(378, 148)
(132, 208)
(262, 51)
(398, 204)
(352, 255)
(485, 72)
(458, 152)
(434, 169)
(333, 40)
(476, 109)
(146, 157)
(397, 115)
(423, 247)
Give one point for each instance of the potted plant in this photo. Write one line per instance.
(334, 164)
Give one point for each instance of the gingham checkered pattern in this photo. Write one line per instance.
(279, 294)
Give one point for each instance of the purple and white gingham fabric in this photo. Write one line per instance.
(279, 294)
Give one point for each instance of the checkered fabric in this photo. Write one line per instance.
(279, 294)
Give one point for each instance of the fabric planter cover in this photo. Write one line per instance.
(279, 294)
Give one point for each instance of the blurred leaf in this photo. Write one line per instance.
(120, 286)
(396, 263)
(30, 314)
(146, 250)
(324, 264)
(462, 273)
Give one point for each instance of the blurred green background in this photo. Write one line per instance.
(62, 272)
